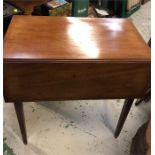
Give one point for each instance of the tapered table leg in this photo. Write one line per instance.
(138, 101)
(124, 113)
(21, 120)
(145, 98)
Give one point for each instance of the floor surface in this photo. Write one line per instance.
(78, 127)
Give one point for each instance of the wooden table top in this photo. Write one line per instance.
(36, 38)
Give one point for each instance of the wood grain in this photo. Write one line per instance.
(66, 81)
(60, 58)
(67, 38)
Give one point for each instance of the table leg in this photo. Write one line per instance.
(139, 101)
(145, 98)
(124, 113)
(21, 120)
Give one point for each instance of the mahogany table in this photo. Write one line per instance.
(66, 58)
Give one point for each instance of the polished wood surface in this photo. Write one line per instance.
(59, 58)
(65, 81)
(64, 58)
(32, 38)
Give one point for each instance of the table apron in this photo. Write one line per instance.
(37, 81)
